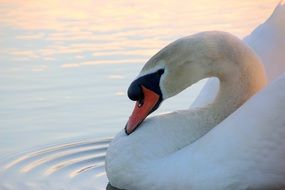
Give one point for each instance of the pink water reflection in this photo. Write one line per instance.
(47, 30)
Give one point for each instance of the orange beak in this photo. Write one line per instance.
(142, 109)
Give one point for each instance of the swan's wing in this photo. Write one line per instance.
(249, 145)
(268, 41)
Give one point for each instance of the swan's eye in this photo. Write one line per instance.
(140, 102)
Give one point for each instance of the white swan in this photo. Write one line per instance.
(159, 154)
(245, 151)
(268, 41)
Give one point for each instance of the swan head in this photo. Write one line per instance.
(181, 64)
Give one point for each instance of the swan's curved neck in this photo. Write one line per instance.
(155, 145)
(238, 82)
(236, 86)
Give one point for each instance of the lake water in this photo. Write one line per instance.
(65, 67)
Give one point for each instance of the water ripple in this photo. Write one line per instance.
(64, 166)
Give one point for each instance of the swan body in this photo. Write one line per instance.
(200, 148)
(250, 154)
(268, 42)
(168, 151)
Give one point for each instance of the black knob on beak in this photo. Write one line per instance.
(135, 92)
(150, 81)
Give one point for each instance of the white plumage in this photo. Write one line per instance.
(219, 146)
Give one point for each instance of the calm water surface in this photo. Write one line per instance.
(65, 67)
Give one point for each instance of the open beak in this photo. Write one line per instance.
(142, 109)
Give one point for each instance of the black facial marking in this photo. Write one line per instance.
(150, 81)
